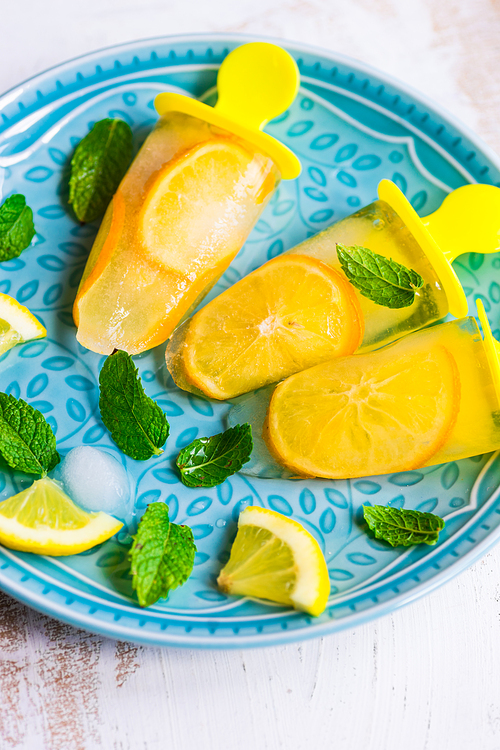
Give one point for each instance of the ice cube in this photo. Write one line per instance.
(96, 481)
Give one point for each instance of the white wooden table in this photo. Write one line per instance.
(426, 677)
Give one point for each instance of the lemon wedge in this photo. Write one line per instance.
(43, 519)
(274, 557)
(377, 413)
(17, 324)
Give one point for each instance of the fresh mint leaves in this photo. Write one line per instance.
(27, 442)
(403, 527)
(161, 556)
(16, 227)
(136, 423)
(208, 461)
(380, 279)
(97, 167)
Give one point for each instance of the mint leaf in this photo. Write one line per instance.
(16, 227)
(161, 556)
(403, 527)
(210, 460)
(136, 423)
(380, 279)
(27, 442)
(97, 167)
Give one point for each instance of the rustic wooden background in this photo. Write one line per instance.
(426, 677)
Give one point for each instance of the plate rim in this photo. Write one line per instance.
(120, 632)
(335, 57)
(114, 629)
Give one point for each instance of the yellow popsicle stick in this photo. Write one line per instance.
(468, 220)
(256, 82)
(491, 346)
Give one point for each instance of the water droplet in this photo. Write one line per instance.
(199, 506)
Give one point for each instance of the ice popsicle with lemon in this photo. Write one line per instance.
(187, 203)
(431, 397)
(300, 309)
(468, 220)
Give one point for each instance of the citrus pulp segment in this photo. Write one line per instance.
(368, 414)
(44, 520)
(288, 315)
(17, 324)
(274, 557)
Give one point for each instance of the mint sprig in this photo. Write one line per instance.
(400, 527)
(161, 556)
(383, 280)
(16, 227)
(208, 461)
(136, 422)
(27, 442)
(97, 167)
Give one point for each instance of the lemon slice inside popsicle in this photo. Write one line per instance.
(288, 315)
(369, 414)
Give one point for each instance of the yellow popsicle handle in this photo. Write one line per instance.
(468, 221)
(256, 82)
(491, 345)
(389, 192)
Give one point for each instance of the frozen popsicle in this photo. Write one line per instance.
(187, 203)
(431, 397)
(259, 332)
(467, 221)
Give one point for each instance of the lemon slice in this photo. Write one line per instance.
(17, 324)
(376, 413)
(274, 557)
(43, 519)
(190, 206)
(290, 314)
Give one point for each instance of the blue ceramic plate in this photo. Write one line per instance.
(351, 126)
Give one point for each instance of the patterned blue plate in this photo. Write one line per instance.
(351, 126)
